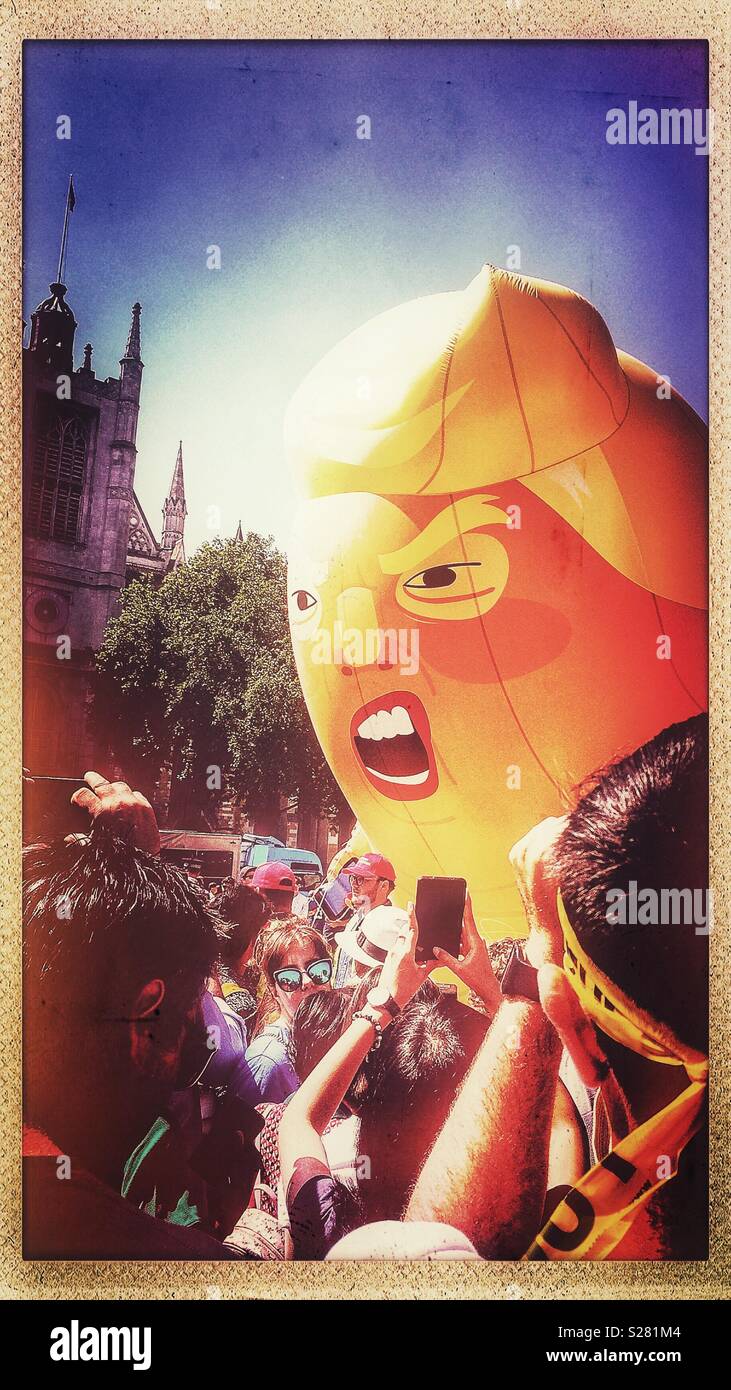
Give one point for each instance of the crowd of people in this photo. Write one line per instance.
(225, 1075)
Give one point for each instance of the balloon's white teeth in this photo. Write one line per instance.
(414, 781)
(386, 724)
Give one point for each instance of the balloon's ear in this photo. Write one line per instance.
(145, 1044)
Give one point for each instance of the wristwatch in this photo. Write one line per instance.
(379, 998)
(520, 980)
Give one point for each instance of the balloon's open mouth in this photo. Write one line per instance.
(392, 742)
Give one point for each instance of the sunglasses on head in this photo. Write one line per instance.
(290, 978)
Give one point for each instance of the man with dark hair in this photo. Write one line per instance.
(596, 886)
(637, 842)
(117, 950)
(632, 864)
(243, 912)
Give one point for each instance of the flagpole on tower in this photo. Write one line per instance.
(70, 205)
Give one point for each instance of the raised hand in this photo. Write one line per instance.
(127, 813)
(402, 973)
(473, 966)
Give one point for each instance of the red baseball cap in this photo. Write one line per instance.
(274, 876)
(374, 866)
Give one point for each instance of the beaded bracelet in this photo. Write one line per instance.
(375, 1025)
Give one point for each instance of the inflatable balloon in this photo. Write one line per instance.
(498, 574)
(356, 845)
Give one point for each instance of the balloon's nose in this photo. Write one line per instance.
(362, 638)
(356, 610)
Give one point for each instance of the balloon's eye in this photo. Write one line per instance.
(439, 576)
(304, 600)
(452, 590)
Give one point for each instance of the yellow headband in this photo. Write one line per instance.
(612, 1010)
(595, 1216)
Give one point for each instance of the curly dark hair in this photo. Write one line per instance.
(243, 911)
(101, 920)
(644, 820)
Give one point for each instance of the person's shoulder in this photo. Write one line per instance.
(271, 1066)
(268, 1054)
(236, 1025)
(270, 1042)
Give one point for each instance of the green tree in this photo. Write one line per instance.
(199, 673)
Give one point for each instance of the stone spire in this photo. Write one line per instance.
(177, 487)
(130, 386)
(239, 534)
(133, 349)
(174, 513)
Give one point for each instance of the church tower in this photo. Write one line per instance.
(120, 491)
(79, 444)
(53, 325)
(174, 513)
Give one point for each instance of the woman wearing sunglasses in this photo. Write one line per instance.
(294, 961)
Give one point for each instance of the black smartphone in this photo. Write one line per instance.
(47, 810)
(439, 909)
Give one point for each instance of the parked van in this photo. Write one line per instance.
(218, 855)
(213, 855)
(262, 849)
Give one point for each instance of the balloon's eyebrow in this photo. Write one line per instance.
(461, 517)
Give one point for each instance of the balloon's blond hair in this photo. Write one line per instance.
(513, 379)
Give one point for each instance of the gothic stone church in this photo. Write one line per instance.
(85, 533)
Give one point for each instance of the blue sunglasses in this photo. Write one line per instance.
(290, 978)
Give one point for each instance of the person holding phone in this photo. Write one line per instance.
(321, 1210)
(641, 821)
(531, 1080)
(398, 1097)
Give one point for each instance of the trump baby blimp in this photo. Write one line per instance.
(497, 579)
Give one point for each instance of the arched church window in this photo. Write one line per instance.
(58, 475)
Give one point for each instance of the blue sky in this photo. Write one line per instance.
(252, 147)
